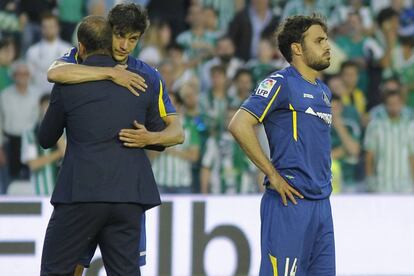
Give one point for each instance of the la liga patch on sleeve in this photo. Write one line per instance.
(265, 87)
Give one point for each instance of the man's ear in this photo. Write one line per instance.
(82, 50)
(296, 49)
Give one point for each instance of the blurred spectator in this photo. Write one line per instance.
(397, 5)
(403, 63)
(224, 56)
(214, 103)
(181, 71)
(249, 25)
(155, 42)
(173, 168)
(7, 55)
(198, 43)
(380, 112)
(166, 69)
(352, 44)
(19, 112)
(43, 163)
(346, 135)
(389, 145)
(211, 22)
(265, 63)
(378, 52)
(387, 37)
(224, 10)
(352, 95)
(31, 12)
(42, 54)
(9, 19)
(308, 7)
(70, 13)
(353, 6)
(243, 85)
(189, 95)
(225, 167)
(174, 12)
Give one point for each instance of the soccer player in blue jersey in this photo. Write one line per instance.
(128, 22)
(294, 106)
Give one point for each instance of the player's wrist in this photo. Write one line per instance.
(155, 138)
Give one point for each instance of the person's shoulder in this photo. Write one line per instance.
(32, 49)
(280, 76)
(71, 55)
(144, 68)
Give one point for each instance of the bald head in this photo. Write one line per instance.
(95, 35)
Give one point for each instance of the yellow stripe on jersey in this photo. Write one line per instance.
(269, 104)
(161, 105)
(76, 56)
(294, 122)
(273, 260)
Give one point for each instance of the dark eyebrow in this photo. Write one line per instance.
(321, 38)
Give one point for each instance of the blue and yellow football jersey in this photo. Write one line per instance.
(297, 119)
(151, 76)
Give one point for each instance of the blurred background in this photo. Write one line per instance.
(211, 54)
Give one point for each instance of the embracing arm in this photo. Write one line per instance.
(69, 73)
(140, 137)
(242, 128)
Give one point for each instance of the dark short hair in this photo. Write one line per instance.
(293, 29)
(385, 15)
(47, 16)
(128, 18)
(218, 69)
(95, 34)
(242, 71)
(348, 63)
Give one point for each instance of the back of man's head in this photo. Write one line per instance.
(95, 35)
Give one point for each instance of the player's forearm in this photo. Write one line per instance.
(172, 135)
(369, 164)
(205, 180)
(68, 73)
(245, 135)
(44, 160)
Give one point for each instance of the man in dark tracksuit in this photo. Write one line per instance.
(103, 187)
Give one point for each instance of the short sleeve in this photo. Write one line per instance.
(165, 106)
(268, 96)
(71, 56)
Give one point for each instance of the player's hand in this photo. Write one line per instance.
(138, 137)
(133, 82)
(284, 189)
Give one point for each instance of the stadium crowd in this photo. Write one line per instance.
(212, 54)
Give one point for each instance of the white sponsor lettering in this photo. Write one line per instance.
(326, 117)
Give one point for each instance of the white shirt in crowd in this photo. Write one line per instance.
(39, 58)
